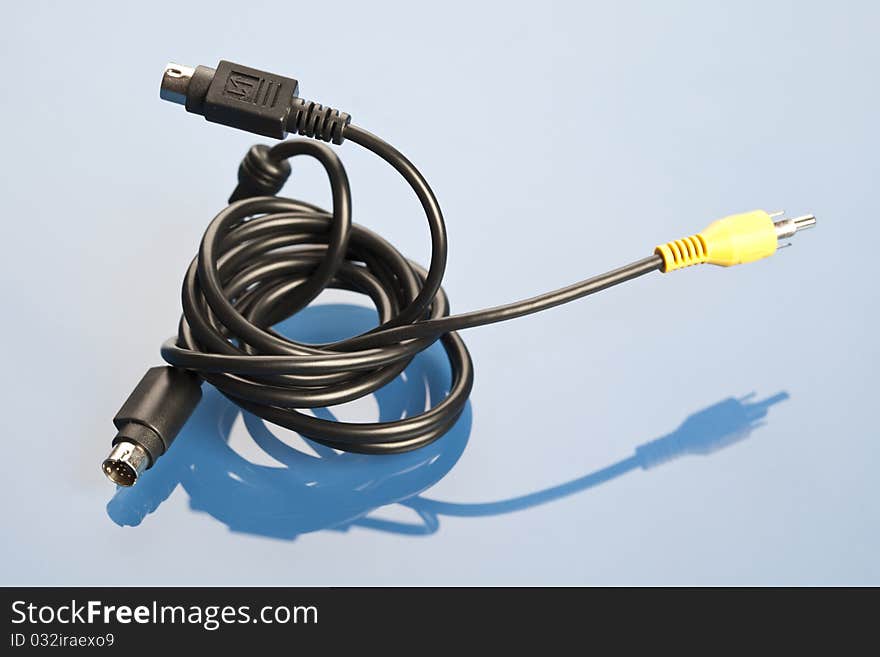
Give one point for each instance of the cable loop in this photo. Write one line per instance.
(263, 259)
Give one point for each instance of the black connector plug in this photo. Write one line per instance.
(150, 420)
(249, 99)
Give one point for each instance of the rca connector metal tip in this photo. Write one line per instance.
(125, 463)
(175, 83)
(786, 227)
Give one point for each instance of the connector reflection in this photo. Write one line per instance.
(332, 490)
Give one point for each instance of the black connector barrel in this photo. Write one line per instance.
(250, 99)
(150, 420)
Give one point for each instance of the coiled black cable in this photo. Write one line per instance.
(264, 258)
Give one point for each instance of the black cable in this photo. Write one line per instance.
(263, 259)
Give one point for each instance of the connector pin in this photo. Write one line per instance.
(175, 83)
(788, 227)
(125, 464)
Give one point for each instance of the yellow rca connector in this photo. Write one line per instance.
(733, 240)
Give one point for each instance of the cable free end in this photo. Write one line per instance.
(149, 420)
(733, 240)
(250, 99)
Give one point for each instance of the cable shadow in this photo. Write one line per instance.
(705, 432)
(338, 490)
(323, 490)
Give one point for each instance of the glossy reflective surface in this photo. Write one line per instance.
(311, 488)
(710, 426)
(318, 488)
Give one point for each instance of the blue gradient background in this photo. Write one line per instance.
(609, 127)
